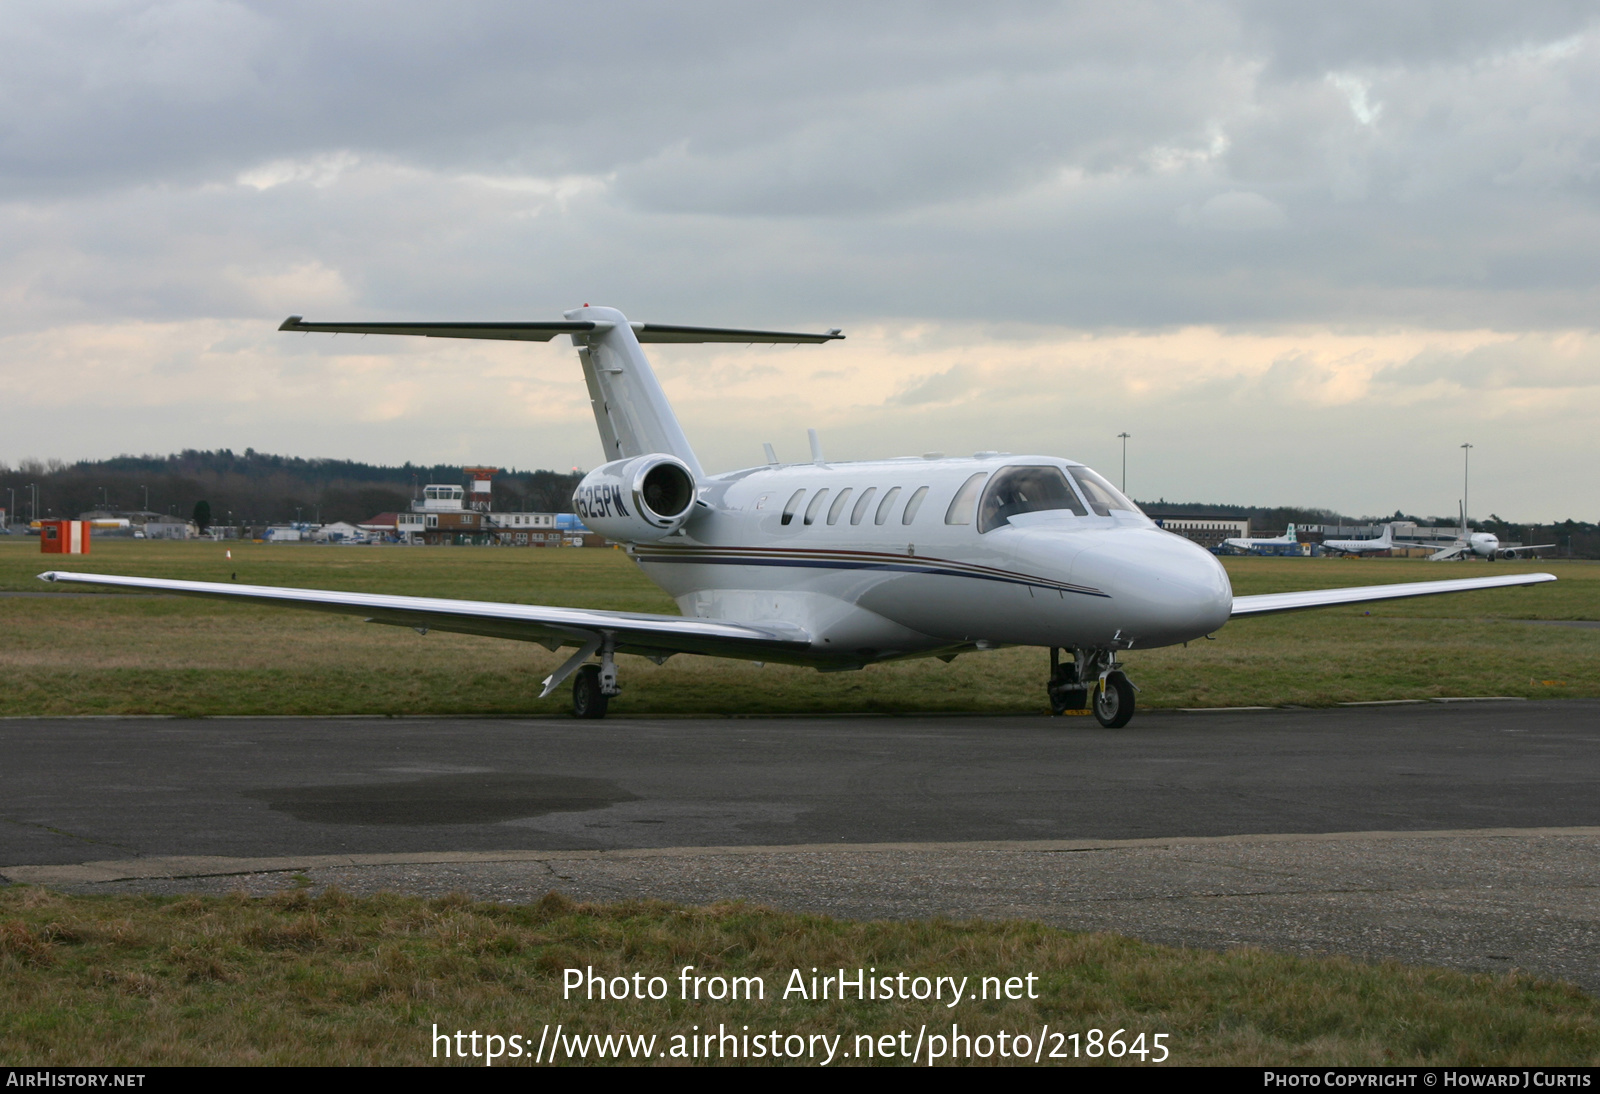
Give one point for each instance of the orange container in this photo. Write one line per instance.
(64, 537)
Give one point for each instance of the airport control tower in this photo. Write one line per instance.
(481, 478)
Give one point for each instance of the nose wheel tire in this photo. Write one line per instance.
(1113, 703)
(588, 701)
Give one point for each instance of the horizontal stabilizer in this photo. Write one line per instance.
(1267, 603)
(543, 332)
(509, 332)
(663, 332)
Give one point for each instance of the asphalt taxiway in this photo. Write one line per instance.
(1461, 834)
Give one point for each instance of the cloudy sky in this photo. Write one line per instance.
(1300, 252)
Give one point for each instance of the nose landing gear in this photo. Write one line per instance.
(1091, 679)
(1113, 700)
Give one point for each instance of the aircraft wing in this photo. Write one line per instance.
(1445, 554)
(543, 332)
(1267, 603)
(633, 632)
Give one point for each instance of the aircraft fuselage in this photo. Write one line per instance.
(830, 548)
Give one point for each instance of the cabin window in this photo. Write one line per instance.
(838, 505)
(816, 505)
(793, 506)
(913, 505)
(886, 506)
(1017, 490)
(965, 501)
(1100, 494)
(861, 506)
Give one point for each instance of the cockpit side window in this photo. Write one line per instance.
(793, 506)
(965, 501)
(1102, 497)
(1016, 490)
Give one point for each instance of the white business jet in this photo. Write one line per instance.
(834, 565)
(1384, 542)
(1286, 540)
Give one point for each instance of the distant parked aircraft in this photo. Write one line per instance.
(1482, 544)
(1286, 540)
(1384, 542)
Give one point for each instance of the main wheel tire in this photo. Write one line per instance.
(1113, 702)
(588, 701)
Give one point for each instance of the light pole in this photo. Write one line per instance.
(1466, 482)
(1124, 437)
(146, 490)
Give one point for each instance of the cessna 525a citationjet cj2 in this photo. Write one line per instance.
(835, 565)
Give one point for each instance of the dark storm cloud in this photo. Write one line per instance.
(1092, 165)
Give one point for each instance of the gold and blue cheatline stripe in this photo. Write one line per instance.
(848, 560)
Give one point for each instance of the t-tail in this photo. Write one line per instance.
(630, 409)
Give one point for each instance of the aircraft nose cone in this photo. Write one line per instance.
(1165, 589)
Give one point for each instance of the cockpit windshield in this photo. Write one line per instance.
(1101, 495)
(1015, 490)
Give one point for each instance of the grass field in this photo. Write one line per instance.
(329, 979)
(121, 654)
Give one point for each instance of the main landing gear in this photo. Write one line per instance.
(1091, 679)
(588, 701)
(594, 685)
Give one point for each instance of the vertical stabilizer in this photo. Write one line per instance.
(630, 409)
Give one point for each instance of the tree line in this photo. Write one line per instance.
(256, 488)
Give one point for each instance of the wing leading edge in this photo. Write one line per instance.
(632, 632)
(1267, 603)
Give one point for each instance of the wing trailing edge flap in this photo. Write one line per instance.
(1267, 603)
(634, 632)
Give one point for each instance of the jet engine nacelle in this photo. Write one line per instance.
(637, 500)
